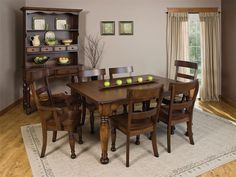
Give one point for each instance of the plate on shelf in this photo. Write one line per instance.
(50, 35)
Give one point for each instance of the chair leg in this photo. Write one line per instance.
(169, 139)
(172, 130)
(125, 108)
(137, 142)
(72, 144)
(113, 139)
(54, 136)
(154, 143)
(190, 132)
(92, 121)
(44, 131)
(83, 112)
(80, 135)
(127, 151)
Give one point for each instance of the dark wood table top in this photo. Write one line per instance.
(95, 91)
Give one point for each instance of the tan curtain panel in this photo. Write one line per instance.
(211, 56)
(177, 40)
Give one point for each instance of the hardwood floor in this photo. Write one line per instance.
(13, 158)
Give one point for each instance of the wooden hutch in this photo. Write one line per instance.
(57, 23)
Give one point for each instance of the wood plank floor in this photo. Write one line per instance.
(13, 158)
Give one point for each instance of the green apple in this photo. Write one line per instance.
(119, 82)
(107, 84)
(129, 81)
(150, 78)
(140, 79)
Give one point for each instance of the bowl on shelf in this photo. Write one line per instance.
(63, 61)
(51, 42)
(67, 41)
(40, 59)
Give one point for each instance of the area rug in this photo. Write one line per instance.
(215, 144)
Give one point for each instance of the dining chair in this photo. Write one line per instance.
(54, 118)
(179, 112)
(136, 122)
(87, 75)
(120, 70)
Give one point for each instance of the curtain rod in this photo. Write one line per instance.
(193, 10)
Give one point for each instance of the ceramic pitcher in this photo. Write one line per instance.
(35, 40)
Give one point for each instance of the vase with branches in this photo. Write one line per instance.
(93, 49)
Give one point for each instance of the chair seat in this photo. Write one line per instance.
(121, 122)
(59, 100)
(67, 122)
(177, 116)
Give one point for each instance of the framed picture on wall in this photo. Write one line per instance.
(39, 23)
(126, 27)
(107, 27)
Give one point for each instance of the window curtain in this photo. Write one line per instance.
(211, 56)
(177, 40)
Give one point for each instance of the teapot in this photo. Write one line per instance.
(35, 40)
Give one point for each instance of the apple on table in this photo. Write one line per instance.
(119, 82)
(150, 78)
(129, 80)
(140, 79)
(107, 84)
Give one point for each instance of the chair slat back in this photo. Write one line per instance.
(120, 70)
(92, 72)
(189, 90)
(185, 64)
(139, 96)
(43, 88)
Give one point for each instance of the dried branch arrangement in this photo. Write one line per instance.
(93, 49)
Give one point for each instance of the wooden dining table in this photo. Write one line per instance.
(109, 99)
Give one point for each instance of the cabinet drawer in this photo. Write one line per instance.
(60, 48)
(46, 49)
(72, 47)
(32, 49)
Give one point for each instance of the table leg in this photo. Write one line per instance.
(104, 137)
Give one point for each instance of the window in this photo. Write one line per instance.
(194, 41)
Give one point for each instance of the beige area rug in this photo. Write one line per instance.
(215, 144)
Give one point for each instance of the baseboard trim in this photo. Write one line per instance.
(229, 101)
(3, 111)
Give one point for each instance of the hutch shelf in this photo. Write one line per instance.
(49, 24)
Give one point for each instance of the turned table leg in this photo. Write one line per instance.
(104, 137)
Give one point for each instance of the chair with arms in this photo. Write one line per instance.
(54, 118)
(87, 75)
(134, 122)
(178, 112)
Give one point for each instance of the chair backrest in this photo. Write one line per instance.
(41, 87)
(120, 70)
(88, 74)
(186, 64)
(142, 95)
(189, 90)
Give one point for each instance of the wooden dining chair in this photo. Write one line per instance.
(120, 70)
(87, 75)
(179, 112)
(54, 118)
(186, 64)
(135, 122)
